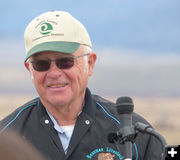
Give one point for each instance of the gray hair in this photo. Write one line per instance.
(86, 49)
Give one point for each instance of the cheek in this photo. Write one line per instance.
(38, 79)
(83, 67)
(82, 76)
(77, 75)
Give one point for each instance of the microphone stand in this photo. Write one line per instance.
(128, 134)
(144, 128)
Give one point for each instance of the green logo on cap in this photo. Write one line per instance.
(46, 28)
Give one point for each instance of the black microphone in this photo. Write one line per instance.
(128, 132)
(125, 108)
(124, 105)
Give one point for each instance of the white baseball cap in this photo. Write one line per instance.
(55, 31)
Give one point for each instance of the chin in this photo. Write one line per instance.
(59, 101)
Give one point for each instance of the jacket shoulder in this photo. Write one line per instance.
(104, 101)
(21, 111)
(112, 107)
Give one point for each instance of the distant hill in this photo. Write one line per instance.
(117, 72)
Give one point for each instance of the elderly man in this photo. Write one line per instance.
(67, 122)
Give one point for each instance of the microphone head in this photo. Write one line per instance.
(112, 137)
(124, 105)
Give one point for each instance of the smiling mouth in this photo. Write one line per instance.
(58, 85)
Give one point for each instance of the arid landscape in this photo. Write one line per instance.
(163, 113)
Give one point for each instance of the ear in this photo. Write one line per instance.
(91, 62)
(27, 66)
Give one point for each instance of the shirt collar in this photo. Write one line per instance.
(89, 107)
(56, 126)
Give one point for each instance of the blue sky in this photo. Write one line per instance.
(151, 25)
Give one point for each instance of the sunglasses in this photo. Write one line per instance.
(61, 63)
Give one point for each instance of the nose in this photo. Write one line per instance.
(54, 71)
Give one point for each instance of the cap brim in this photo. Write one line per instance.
(62, 47)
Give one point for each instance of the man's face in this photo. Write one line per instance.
(60, 87)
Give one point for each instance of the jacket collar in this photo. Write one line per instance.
(89, 106)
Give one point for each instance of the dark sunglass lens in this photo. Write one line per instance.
(41, 65)
(65, 63)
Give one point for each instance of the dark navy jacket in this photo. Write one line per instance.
(89, 139)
